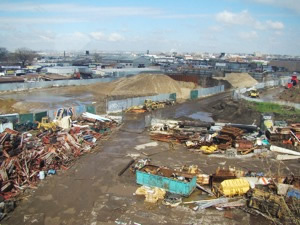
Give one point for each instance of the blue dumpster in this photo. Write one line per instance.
(168, 183)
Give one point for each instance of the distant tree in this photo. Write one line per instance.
(3, 54)
(25, 56)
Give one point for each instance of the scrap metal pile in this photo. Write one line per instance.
(288, 135)
(274, 197)
(26, 157)
(210, 138)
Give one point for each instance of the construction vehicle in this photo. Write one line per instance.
(63, 118)
(45, 124)
(254, 93)
(150, 105)
(294, 81)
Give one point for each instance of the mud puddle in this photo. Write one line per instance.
(203, 116)
(46, 97)
(42, 100)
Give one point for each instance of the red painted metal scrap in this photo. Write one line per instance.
(24, 156)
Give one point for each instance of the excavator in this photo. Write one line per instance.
(294, 81)
(62, 120)
(45, 124)
(150, 105)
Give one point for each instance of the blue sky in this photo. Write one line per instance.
(236, 26)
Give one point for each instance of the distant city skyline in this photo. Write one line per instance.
(244, 26)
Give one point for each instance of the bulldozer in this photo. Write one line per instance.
(45, 124)
(63, 118)
(150, 105)
(254, 93)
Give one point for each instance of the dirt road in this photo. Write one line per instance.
(91, 192)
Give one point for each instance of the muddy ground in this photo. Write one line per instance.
(281, 94)
(291, 94)
(91, 192)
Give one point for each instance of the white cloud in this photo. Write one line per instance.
(248, 35)
(245, 18)
(115, 37)
(39, 20)
(181, 16)
(275, 25)
(79, 8)
(234, 18)
(99, 36)
(112, 37)
(215, 28)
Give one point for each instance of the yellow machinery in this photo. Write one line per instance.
(150, 105)
(254, 93)
(232, 187)
(45, 124)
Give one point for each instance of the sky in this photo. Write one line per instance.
(194, 26)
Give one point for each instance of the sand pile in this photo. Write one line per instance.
(7, 106)
(240, 80)
(145, 84)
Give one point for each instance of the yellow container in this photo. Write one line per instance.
(233, 187)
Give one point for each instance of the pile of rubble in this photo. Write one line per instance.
(276, 198)
(229, 140)
(208, 138)
(26, 158)
(273, 196)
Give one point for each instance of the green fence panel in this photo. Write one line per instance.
(91, 109)
(38, 116)
(24, 118)
(194, 94)
(173, 96)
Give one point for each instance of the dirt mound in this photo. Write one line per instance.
(291, 94)
(239, 80)
(144, 84)
(7, 106)
(233, 111)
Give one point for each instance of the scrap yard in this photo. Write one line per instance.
(150, 112)
(158, 159)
